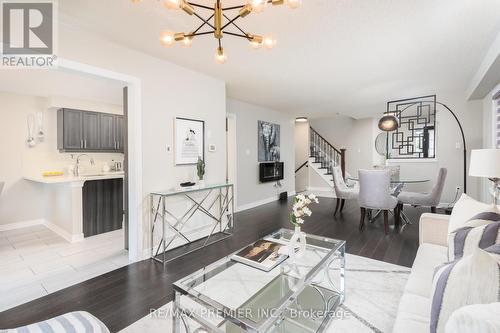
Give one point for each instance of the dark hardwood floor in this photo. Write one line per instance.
(125, 295)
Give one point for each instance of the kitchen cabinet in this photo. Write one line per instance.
(107, 131)
(120, 133)
(102, 206)
(90, 131)
(86, 131)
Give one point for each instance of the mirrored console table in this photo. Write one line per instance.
(214, 203)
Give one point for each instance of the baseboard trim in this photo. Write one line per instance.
(320, 189)
(20, 225)
(63, 233)
(260, 202)
(55, 228)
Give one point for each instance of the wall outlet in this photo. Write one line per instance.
(458, 188)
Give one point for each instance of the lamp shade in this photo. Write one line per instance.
(485, 163)
(388, 123)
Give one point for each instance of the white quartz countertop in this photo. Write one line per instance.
(72, 179)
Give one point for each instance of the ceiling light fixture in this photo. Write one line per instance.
(219, 23)
(301, 119)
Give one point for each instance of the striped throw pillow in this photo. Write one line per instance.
(482, 230)
(474, 279)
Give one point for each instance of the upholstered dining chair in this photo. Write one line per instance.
(342, 191)
(375, 193)
(430, 199)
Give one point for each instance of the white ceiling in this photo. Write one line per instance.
(44, 83)
(332, 55)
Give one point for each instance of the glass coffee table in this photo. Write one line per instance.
(299, 295)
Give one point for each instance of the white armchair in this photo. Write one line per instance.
(375, 193)
(342, 191)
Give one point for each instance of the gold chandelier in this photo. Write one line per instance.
(219, 22)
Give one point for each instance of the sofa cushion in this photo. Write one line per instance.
(429, 257)
(465, 208)
(477, 318)
(474, 279)
(76, 322)
(481, 231)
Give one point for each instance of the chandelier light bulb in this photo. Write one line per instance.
(220, 56)
(257, 5)
(256, 41)
(167, 38)
(187, 41)
(269, 42)
(172, 4)
(294, 4)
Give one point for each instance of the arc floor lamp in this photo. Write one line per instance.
(389, 122)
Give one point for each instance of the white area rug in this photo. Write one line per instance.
(373, 290)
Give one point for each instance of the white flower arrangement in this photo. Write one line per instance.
(300, 208)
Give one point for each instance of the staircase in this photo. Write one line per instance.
(323, 156)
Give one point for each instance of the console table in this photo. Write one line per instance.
(214, 201)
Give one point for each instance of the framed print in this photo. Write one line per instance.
(269, 141)
(189, 136)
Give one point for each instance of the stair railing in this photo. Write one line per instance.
(325, 153)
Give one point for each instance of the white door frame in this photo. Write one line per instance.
(235, 167)
(134, 123)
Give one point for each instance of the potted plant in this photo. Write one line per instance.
(300, 211)
(200, 168)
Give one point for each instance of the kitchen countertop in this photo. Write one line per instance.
(72, 179)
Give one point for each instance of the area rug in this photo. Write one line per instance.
(373, 290)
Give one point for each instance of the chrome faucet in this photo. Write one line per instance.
(76, 171)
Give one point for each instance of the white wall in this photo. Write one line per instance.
(22, 200)
(168, 91)
(250, 190)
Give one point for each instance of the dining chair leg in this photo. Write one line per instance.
(342, 205)
(386, 221)
(337, 206)
(362, 221)
(397, 217)
(433, 210)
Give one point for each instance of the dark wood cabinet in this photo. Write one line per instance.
(69, 129)
(119, 133)
(102, 206)
(86, 131)
(90, 131)
(107, 131)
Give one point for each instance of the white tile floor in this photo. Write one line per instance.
(35, 261)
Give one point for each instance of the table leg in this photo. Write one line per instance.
(176, 316)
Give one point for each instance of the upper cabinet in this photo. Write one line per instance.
(81, 131)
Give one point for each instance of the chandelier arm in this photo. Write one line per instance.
(237, 35)
(205, 21)
(200, 6)
(237, 27)
(230, 22)
(234, 7)
(203, 24)
(200, 33)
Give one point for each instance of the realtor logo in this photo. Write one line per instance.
(28, 33)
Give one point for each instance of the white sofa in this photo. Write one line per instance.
(415, 305)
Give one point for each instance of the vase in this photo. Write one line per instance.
(298, 240)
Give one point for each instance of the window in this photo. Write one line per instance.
(496, 119)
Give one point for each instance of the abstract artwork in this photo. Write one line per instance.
(269, 141)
